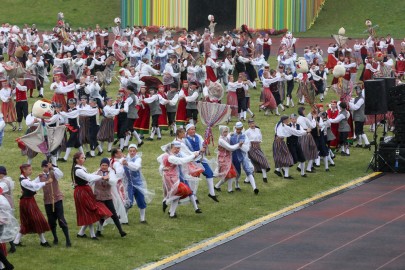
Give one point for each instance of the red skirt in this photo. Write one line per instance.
(269, 102)
(88, 210)
(181, 115)
(141, 124)
(211, 74)
(232, 101)
(332, 61)
(335, 130)
(60, 98)
(30, 84)
(31, 218)
(9, 113)
(151, 81)
(183, 191)
(162, 120)
(3, 248)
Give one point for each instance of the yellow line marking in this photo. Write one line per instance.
(254, 223)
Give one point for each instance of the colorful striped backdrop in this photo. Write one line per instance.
(296, 15)
(170, 13)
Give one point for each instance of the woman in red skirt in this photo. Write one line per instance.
(141, 124)
(31, 218)
(7, 106)
(88, 210)
(210, 65)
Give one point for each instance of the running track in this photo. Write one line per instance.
(363, 228)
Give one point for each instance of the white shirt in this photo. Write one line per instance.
(254, 135)
(88, 177)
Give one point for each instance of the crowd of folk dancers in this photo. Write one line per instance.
(78, 66)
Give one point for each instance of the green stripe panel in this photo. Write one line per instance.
(295, 15)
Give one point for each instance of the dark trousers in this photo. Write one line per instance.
(130, 124)
(358, 128)
(192, 114)
(40, 82)
(241, 104)
(93, 130)
(114, 217)
(4, 260)
(74, 140)
(266, 53)
(21, 108)
(54, 214)
(155, 120)
(171, 117)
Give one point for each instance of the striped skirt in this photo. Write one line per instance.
(308, 147)
(84, 129)
(31, 218)
(88, 210)
(281, 155)
(9, 113)
(106, 131)
(258, 158)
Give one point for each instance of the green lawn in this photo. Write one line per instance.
(44, 13)
(163, 236)
(351, 14)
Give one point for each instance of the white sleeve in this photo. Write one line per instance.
(58, 173)
(356, 106)
(180, 160)
(32, 185)
(192, 98)
(338, 118)
(87, 176)
(227, 146)
(135, 166)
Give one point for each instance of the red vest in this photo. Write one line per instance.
(265, 45)
(20, 95)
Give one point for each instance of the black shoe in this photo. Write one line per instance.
(213, 197)
(197, 201)
(12, 248)
(244, 182)
(332, 165)
(238, 189)
(140, 144)
(317, 165)
(68, 244)
(326, 170)
(298, 169)
(288, 177)
(309, 171)
(55, 242)
(62, 160)
(230, 192)
(278, 173)
(164, 207)
(94, 238)
(174, 216)
(115, 142)
(358, 146)
(198, 211)
(265, 180)
(100, 153)
(144, 222)
(367, 146)
(46, 244)
(88, 154)
(123, 234)
(256, 191)
(159, 138)
(81, 236)
(217, 188)
(304, 175)
(149, 139)
(171, 133)
(19, 245)
(40, 96)
(98, 234)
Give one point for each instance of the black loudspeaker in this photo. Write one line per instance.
(389, 83)
(376, 97)
(393, 157)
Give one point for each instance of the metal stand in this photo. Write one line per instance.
(376, 156)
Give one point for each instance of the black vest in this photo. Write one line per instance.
(73, 121)
(26, 193)
(79, 181)
(293, 139)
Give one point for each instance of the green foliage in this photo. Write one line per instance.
(44, 13)
(163, 236)
(351, 14)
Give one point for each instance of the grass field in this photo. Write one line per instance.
(163, 236)
(44, 13)
(352, 14)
